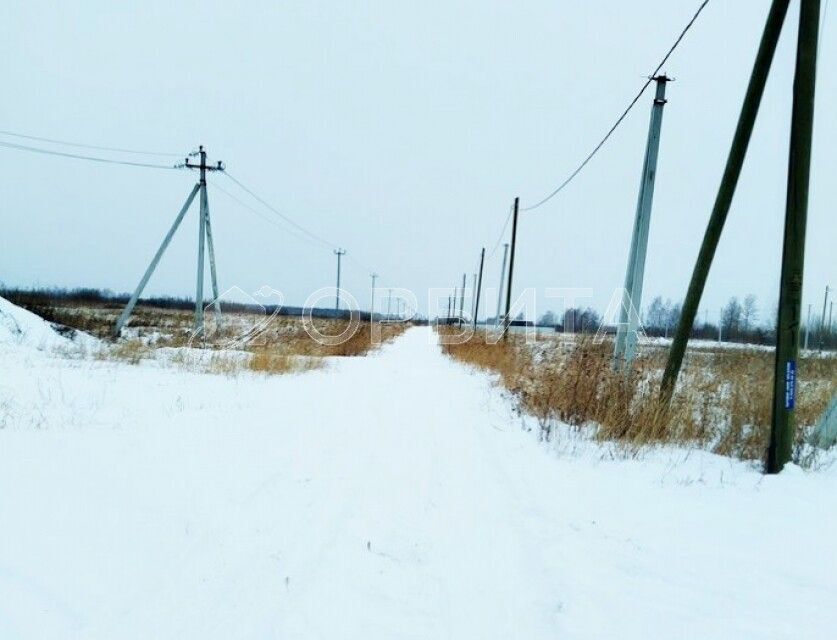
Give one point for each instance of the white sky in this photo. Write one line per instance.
(401, 131)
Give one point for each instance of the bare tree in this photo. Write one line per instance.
(731, 318)
(547, 319)
(581, 320)
(749, 312)
(655, 317)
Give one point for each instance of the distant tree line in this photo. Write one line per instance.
(740, 321)
(41, 300)
(39, 296)
(573, 320)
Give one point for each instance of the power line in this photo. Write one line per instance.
(363, 266)
(269, 220)
(311, 234)
(21, 147)
(89, 146)
(301, 234)
(502, 233)
(624, 113)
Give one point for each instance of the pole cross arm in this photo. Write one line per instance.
(219, 166)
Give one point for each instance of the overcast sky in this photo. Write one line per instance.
(401, 131)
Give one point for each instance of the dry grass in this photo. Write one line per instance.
(262, 360)
(282, 346)
(128, 351)
(163, 327)
(359, 344)
(722, 402)
(270, 362)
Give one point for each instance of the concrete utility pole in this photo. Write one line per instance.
(339, 253)
(201, 239)
(726, 190)
(205, 232)
(506, 319)
(374, 277)
(205, 235)
(822, 320)
(389, 303)
(502, 280)
(783, 424)
(479, 288)
(626, 332)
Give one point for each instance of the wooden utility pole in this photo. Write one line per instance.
(473, 292)
(502, 280)
(822, 320)
(783, 427)
(506, 319)
(479, 288)
(729, 181)
(462, 299)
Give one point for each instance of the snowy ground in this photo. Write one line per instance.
(387, 497)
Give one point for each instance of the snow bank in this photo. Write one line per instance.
(21, 327)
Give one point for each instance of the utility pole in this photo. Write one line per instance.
(479, 288)
(506, 319)
(783, 427)
(339, 253)
(374, 277)
(448, 316)
(807, 327)
(205, 235)
(626, 332)
(473, 293)
(822, 320)
(462, 299)
(723, 200)
(502, 280)
(389, 303)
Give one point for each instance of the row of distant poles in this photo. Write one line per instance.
(796, 210)
(458, 316)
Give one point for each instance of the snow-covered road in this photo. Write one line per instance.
(393, 496)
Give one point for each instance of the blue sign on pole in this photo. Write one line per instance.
(790, 384)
